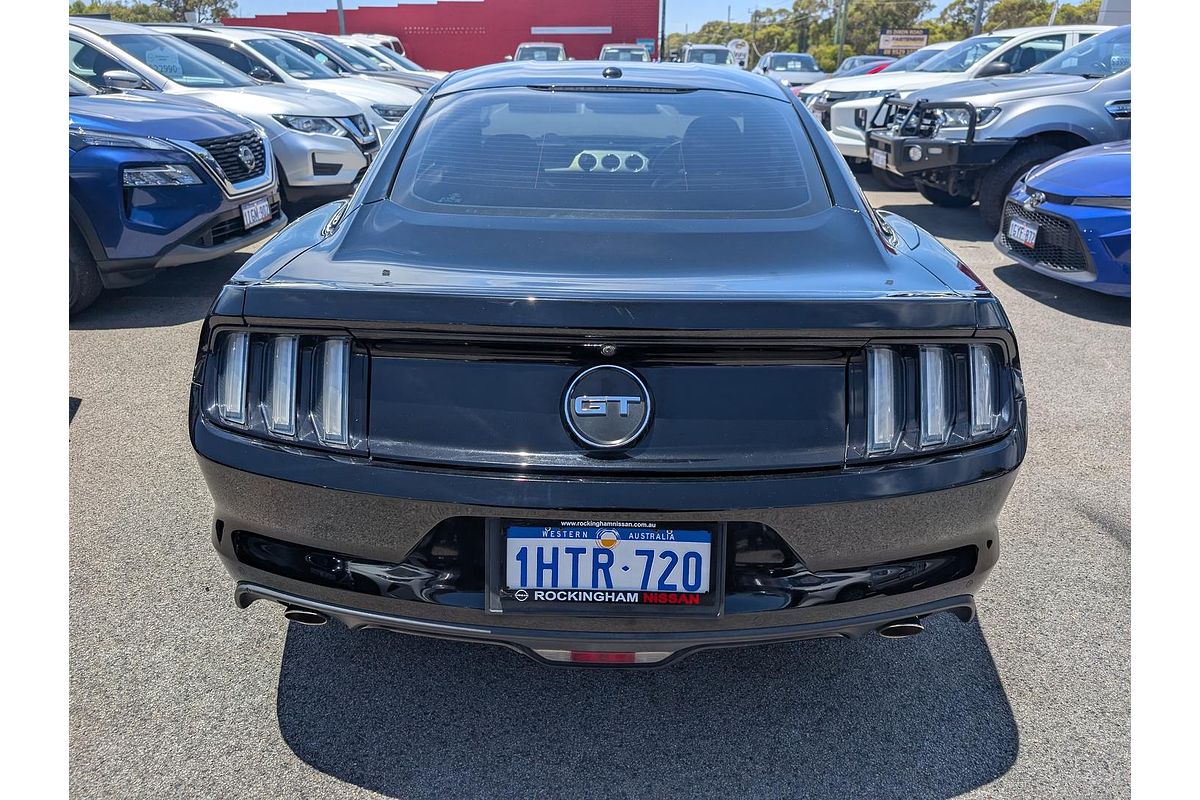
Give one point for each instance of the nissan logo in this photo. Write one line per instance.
(247, 157)
(607, 406)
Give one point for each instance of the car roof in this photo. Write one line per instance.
(218, 30)
(622, 44)
(640, 74)
(103, 27)
(540, 44)
(1047, 29)
(713, 46)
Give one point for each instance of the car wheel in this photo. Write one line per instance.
(84, 280)
(891, 180)
(998, 181)
(940, 197)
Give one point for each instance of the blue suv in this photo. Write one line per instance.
(159, 182)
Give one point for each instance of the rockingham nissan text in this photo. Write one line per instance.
(608, 363)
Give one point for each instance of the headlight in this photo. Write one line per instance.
(961, 117)
(926, 397)
(1102, 202)
(391, 113)
(311, 124)
(785, 81)
(810, 100)
(159, 175)
(82, 137)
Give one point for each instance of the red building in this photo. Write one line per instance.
(452, 34)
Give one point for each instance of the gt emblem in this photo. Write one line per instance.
(247, 157)
(607, 406)
(1034, 200)
(586, 406)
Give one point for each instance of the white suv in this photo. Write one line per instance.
(844, 106)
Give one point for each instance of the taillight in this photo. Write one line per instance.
(921, 397)
(281, 389)
(983, 390)
(231, 379)
(298, 387)
(332, 409)
(934, 373)
(883, 401)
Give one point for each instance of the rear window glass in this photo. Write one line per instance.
(571, 152)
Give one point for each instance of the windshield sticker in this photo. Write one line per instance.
(164, 61)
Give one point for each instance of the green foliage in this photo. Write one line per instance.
(812, 25)
(156, 10)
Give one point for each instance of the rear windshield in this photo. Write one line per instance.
(794, 63)
(709, 56)
(624, 54)
(526, 151)
(536, 53)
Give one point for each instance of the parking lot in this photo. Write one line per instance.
(174, 692)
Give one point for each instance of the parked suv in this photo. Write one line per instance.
(709, 54)
(266, 57)
(321, 143)
(791, 69)
(844, 106)
(157, 182)
(623, 52)
(971, 141)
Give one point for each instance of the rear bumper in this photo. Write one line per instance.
(832, 520)
(659, 648)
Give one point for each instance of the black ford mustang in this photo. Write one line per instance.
(608, 364)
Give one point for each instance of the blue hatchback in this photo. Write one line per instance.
(159, 182)
(1070, 219)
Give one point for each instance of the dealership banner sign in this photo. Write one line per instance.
(902, 41)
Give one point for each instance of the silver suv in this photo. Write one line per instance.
(972, 140)
(322, 143)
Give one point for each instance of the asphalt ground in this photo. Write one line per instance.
(176, 693)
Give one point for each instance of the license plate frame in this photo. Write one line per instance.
(502, 600)
(879, 158)
(1023, 232)
(256, 212)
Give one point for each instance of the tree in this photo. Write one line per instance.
(124, 12)
(1083, 13)
(1019, 13)
(864, 20)
(156, 10)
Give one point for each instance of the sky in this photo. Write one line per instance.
(680, 13)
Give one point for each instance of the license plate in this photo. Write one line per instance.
(1022, 231)
(625, 563)
(878, 159)
(256, 212)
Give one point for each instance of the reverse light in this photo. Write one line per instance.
(935, 396)
(231, 378)
(984, 415)
(281, 389)
(331, 411)
(883, 412)
(159, 175)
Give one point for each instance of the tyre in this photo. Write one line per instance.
(998, 181)
(940, 197)
(84, 281)
(891, 180)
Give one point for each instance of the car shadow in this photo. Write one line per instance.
(420, 718)
(177, 295)
(1064, 297)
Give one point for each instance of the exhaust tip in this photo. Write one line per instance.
(902, 628)
(304, 617)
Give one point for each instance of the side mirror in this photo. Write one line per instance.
(122, 79)
(995, 68)
(508, 58)
(261, 73)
